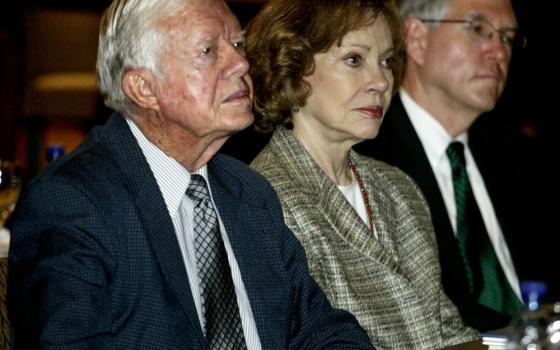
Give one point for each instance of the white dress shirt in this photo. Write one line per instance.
(173, 180)
(435, 139)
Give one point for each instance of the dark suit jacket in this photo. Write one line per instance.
(511, 168)
(95, 263)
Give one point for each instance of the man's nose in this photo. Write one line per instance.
(498, 47)
(237, 63)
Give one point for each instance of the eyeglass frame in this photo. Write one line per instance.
(504, 39)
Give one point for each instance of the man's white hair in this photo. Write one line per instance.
(432, 9)
(130, 37)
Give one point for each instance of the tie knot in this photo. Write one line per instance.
(197, 189)
(456, 154)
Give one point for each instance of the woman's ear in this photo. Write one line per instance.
(417, 35)
(139, 86)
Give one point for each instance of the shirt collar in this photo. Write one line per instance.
(172, 178)
(432, 134)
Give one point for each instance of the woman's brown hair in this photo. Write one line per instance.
(286, 34)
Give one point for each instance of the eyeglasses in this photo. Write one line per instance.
(481, 31)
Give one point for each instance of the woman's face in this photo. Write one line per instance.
(351, 86)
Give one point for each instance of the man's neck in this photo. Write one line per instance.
(176, 142)
(455, 119)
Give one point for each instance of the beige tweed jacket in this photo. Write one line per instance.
(391, 284)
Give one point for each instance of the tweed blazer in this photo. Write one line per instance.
(391, 284)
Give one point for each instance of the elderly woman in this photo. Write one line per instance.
(324, 73)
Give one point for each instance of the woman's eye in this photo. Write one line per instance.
(354, 60)
(389, 62)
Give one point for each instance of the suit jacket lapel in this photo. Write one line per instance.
(491, 165)
(236, 205)
(332, 204)
(350, 226)
(403, 148)
(140, 180)
(410, 157)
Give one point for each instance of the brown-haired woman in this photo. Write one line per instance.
(324, 73)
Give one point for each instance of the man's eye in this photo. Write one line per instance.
(207, 51)
(239, 45)
(479, 28)
(508, 38)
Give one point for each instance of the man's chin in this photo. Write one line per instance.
(487, 105)
(242, 121)
(486, 100)
(234, 126)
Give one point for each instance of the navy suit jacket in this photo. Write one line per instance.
(95, 264)
(512, 169)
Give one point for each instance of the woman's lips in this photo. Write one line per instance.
(373, 111)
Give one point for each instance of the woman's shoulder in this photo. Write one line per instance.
(267, 163)
(379, 169)
(288, 185)
(387, 177)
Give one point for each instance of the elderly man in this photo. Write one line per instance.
(480, 180)
(143, 238)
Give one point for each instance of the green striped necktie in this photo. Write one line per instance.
(487, 281)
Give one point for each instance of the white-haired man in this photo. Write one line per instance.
(144, 238)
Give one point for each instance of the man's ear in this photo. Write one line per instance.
(417, 36)
(139, 85)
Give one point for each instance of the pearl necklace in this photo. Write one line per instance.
(354, 170)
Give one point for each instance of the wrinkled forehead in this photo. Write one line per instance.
(197, 15)
(498, 12)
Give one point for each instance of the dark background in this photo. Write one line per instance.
(528, 103)
(531, 93)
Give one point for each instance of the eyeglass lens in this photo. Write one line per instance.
(484, 31)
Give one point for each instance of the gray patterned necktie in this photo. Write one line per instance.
(487, 281)
(222, 323)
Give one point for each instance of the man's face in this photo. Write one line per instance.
(468, 76)
(206, 89)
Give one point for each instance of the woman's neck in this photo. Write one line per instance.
(332, 157)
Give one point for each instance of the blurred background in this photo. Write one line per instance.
(48, 93)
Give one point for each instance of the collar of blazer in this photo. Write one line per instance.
(316, 188)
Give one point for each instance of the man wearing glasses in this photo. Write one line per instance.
(480, 180)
